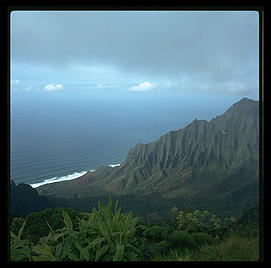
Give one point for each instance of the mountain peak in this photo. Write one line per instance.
(245, 100)
(244, 105)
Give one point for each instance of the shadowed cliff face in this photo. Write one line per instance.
(214, 161)
(24, 200)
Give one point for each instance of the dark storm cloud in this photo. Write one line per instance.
(214, 46)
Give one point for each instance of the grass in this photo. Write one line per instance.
(173, 255)
(234, 248)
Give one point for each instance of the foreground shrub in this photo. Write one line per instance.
(113, 234)
(156, 233)
(201, 221)
(202, 238)
(102, 235)
(19, 248)
(16, 224)
(182, 239)
(37, 222)
(197, 221)
(163, 246)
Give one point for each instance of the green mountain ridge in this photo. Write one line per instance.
(211, 165)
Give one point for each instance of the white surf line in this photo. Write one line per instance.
(65, 178)
(117, 165)
(58, 179)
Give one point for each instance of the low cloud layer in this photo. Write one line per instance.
(212, 48)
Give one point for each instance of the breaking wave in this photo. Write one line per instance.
(58, 179)
(69, 177)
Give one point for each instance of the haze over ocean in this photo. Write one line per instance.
(56, 136)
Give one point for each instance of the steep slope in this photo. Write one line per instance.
(206, 164)
(24, 200)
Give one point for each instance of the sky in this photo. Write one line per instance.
(135, 52)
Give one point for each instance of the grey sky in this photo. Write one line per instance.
(215, 49)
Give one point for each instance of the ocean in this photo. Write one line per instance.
(61, 136)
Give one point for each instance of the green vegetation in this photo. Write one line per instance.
(203, 239)
(234, 248)
(107, 234)
(37, 223)
(100, 236)
(182, 239)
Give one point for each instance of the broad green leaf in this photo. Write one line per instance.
(131, 256)
(36, 258)
(119, 253)
(107, 257)
(109, 202)
(72, 256)
(13, 236)
(77, 245)
(96, 243)
(67, 220)
(102, 227)
(19, 255)
(57, 236)
(101, 251)
(52, 231)
(43, 240)
(58, 251)
(85, 253)
(42, 252)
(116, 205)
(133, 248)
(116, 218)
(21, 230)
(18, 243)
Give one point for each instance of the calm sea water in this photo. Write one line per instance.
(60, 136)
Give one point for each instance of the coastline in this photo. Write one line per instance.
(69, 177)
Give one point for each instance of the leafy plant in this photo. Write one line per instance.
(182, 239)
(164, 246)
(113, 234)
(156, 233)
(19, 249)
(37, 222)
(16, 224)
(172, 226)
(100, 236)
(202, 221)
(203, 238)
